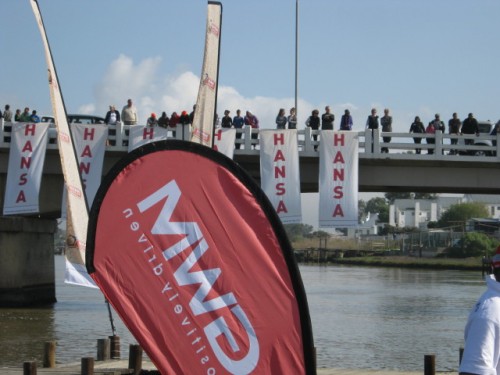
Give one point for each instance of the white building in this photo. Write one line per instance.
(366, 228)
(418, 213)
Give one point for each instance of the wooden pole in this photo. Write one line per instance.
(87, 366)
(115, 347)
(49, 354)
(135, 359)
(103, 349)
(430, 365)
(29, 368)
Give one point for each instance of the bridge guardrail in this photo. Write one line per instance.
(401, 146)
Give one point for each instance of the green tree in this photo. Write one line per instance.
(297, 231)
(474, 244)
(378, 206)
(458, 214)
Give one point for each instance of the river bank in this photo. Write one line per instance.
(467, 264)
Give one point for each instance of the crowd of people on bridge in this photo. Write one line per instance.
(129, 116)
(19, 116)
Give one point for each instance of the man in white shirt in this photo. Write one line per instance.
(482, 331)
(129, 114)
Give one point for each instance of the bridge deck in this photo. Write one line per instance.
(400, 170)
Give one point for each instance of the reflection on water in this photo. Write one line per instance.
(379, 318)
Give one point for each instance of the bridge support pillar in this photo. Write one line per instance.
(27, 274)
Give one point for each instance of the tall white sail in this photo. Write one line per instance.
(76, 273)
(206, 103)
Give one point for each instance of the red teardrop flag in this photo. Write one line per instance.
(192, 256)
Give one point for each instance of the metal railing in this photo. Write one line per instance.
(402, 145)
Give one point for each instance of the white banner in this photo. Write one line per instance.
(90, 144)
(203, 122)
(279, 172)
(24, 173)
(141, 134)
(78, 215)
(338, 179)
(224, 141)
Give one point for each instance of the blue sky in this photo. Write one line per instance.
(414, 57)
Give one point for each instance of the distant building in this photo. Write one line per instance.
(367, 228)
(417, 213)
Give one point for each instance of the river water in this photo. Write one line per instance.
(362, 317)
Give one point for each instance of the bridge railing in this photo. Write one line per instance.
(484, 148)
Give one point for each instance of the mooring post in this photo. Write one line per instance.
(29, 368)
(103, 349)
(87, 366)
(49, 354)
(135, 359)
(430, 364)
(115, 347)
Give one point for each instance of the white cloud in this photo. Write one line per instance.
(152, 92)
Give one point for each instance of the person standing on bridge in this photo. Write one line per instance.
(386, 123)
(252, 121)
(281, 119)
(482, 331)
(470, 126)
(112, 116)
(7, 114)
(313, 123)
(454, 125)
(346, 121)
(417, 127)
(327, 119)
(129, 113)
(372, 124)
(238, 122)
(292, 119)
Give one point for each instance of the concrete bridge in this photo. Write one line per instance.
(27, 243)
(399, 170)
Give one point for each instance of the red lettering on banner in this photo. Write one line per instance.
(88, 133)
(21, 197)
(338, 174)
(25, 162)
(279, 172)
(339, 158)
(84, 167)
(218, 135)
(23, 180)
(281, 207)
(280, 188)
(279, 156)
(338, 211)
(279, 139)
(29, 129)
(338, 139)
(339, 192)
(86, 152)
(148, 133)
(27, 147)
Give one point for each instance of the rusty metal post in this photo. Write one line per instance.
(430, 364)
